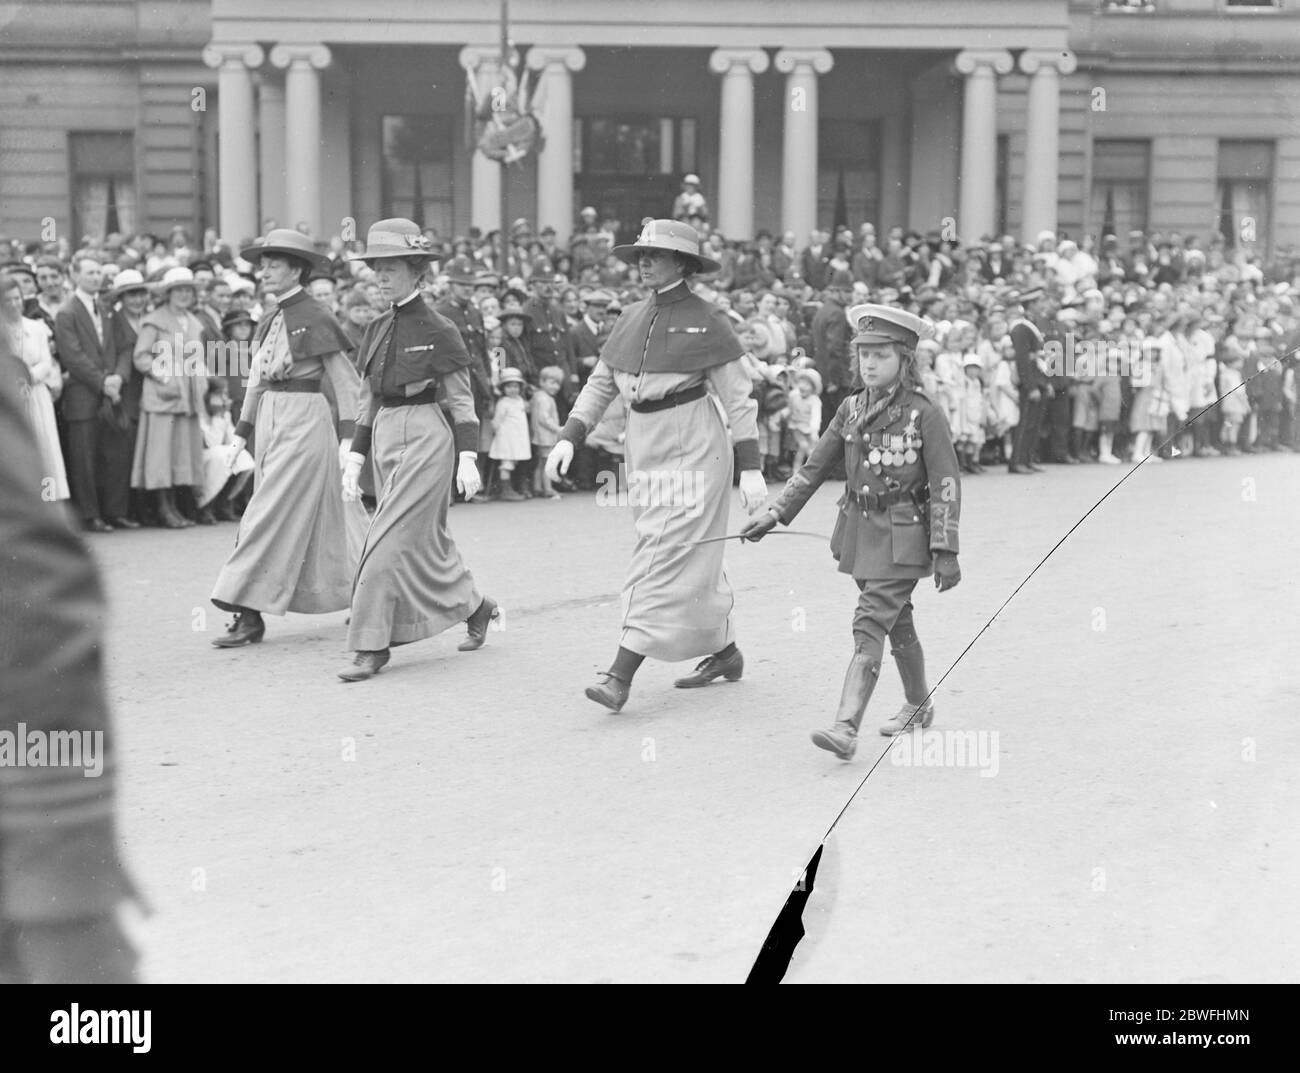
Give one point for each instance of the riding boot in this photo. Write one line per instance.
(918, 710)
(859, 681)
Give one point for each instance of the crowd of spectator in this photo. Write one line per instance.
(1175, 323)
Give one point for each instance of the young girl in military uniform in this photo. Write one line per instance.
(897, 518)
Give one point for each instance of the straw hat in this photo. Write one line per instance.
(667, 235)
(395, 238)
(175, 277)
(126, 280)
(291, 243)
(511, 375)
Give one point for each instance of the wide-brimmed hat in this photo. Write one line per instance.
(19, 266)
(515, 314)
(180, 276)
(291, 243)
(126, 280)
(511, 375)
(394, 238)
(236, 316)
(669, 235)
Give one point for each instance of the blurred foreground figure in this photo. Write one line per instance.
(61, 881)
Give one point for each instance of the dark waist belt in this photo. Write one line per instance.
(669, 401)
(429, 394)
(293, 386)
(879, 500)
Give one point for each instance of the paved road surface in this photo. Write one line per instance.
(472, 817)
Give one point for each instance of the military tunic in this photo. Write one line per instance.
(903, 497)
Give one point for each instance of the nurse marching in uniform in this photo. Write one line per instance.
(897, 518)
(411, 582)
(663, 357)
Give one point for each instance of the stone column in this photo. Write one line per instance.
(977, 210)
(735, 208)
(1042, 137)
(483, 62)
(237, 164)
(270, 125)
(799, 160)
(555, 161)
(302, 132)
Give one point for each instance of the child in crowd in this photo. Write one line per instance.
(805, 413)
(1006, 395)
(968, 435)
(1233, 403)
(510, 442)
(545, 421)
(220, 482)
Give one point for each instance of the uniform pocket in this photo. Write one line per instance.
(908, 531)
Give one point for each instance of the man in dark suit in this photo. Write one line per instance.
(590, 333)
(1035, 384)
(816, 261)
(99, 451)
(830, 339)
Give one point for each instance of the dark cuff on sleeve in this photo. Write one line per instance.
(747, 454)
(576, 432)
(347, 429)
(243, 430)
(466, 433)
(361, 440)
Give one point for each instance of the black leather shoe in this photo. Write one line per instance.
(612, 692)
(205, 517)
(123, 523)
(247, 629)
(1021, 470)
(98, 525)
(364, 665)
(710, 668)
(478, 625)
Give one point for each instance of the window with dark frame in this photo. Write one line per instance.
(1121, 186)
(102, 181)
(418, 181)
(1245, 194)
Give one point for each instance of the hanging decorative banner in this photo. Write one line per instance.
(507, 128)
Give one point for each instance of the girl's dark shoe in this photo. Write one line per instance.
(710, 668)
(247, 629)
(478, 625)
(611, 691)
(364, 665)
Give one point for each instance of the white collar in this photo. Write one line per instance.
(289, 293)
(414, 294)
(665, 290)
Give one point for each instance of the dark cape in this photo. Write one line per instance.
(671, 332)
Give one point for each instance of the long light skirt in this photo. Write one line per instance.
(298, 541)
(40, 412)
(411, 582)
(168, 452)
(677, 600)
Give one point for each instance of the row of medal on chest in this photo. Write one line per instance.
(893, 449)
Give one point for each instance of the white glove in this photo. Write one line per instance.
(557, 462)
(351, 475)
(468, 482)
(233, 452)
(753, 490)
(345, 449)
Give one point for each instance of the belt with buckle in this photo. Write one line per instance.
(293, 387)
(878, 500)
(678, 398)
(429, 394)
